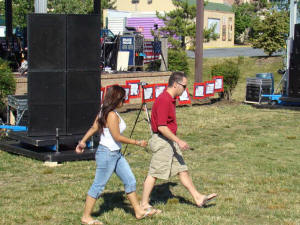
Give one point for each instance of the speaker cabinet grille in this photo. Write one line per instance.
(83, 100)
(47, 42)
(83, 46)
(64, 73)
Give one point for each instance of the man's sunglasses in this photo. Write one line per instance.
(184, 86)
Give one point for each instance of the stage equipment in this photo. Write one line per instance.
(143, 107)
(64, 73)
(109, 51)
(134, 44)
(267, 76)
(294, 70)
(20, 104)
(256, 87)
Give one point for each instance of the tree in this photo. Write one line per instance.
(181, 22)
(270, 32)
(22, 7)
(20, 10)
(78, 6)
(244, 14)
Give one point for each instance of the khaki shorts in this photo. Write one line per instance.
(167, 159)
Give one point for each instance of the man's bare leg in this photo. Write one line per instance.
(148, 187)
(187, 182)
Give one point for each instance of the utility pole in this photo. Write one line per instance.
(199, 41)
(40, 6)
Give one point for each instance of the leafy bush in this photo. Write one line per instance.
(231, 72)
(7, 83)
(178, 61)
(154, 65)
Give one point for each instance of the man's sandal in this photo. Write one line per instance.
(92, 222)
(149, 213)
(207, 199)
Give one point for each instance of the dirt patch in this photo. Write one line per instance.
(267, 60)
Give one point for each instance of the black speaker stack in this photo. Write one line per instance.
(294, 70)
(63, 73)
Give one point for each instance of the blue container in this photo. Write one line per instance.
(266, 76)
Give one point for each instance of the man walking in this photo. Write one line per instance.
(167, 159)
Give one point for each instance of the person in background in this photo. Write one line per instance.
(166, 146)
(108, 156)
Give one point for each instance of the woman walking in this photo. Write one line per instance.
(108, 157)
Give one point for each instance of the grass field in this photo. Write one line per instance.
(249, 156)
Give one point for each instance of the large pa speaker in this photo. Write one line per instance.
(83, 45)
(46, 103)
(64, 73)
(294, 82)
(297, 31)
(83, 100)
(296, 42)
(47, 42)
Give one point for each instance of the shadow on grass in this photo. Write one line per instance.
(111, 201)
(162, 194)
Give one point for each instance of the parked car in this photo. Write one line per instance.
(107, 35)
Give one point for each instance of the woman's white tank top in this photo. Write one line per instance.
(107, 140)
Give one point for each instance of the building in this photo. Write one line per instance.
(217, 12)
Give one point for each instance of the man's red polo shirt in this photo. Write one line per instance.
(163, 113)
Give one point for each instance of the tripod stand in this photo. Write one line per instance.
(143, 105)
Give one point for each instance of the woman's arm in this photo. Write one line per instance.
(82, 144)
(113, 126)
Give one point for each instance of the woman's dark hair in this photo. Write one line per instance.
(176, 77)
(114, 95)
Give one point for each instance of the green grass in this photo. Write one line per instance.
(249, 156)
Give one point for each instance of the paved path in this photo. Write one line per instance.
(230, 52)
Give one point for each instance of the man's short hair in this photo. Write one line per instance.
(176, 77)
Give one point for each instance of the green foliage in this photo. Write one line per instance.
(78, 6)
(21, 8)
(180, 22)
(269, 33)
(7, 82)
(229, 69)
(178, 61)
(154, 65)
(244, 14)
(70, 6)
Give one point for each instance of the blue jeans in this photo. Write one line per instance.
(108, 162)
